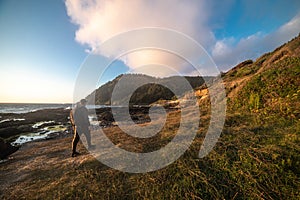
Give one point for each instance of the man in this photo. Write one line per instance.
(79, 117)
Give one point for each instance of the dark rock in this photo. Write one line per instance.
(9, 131)
(13, 128)
(107, 116)
(3, 145)
(6, 149)
(48, 124)
(25, 128)
(42, 132)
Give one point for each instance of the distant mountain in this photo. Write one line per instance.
(147, 93)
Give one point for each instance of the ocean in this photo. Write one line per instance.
(39, 133)
(28, 107)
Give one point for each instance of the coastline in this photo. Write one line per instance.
(39, 122)
(52, 157)
(17, 129)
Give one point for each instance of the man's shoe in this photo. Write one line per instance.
(74, 154)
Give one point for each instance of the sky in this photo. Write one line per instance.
(43, 44)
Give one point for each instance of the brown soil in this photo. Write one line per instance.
(21, 169)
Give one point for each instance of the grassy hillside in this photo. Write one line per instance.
(256, 157)
(258, 154)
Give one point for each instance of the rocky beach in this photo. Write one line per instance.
(50, 154)
(19, 128)
(13, 125)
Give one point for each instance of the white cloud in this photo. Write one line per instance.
(227, 54)
(99, 20)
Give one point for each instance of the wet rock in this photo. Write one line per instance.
(8, 131)
(12, 128)
(25, 128)
(6, 149)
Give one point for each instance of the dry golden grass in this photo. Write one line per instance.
(249, 161)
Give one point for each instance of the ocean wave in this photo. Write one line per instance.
(19, 108)
(15, 119)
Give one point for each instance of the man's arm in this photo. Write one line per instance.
(72, 118)
(86, 117)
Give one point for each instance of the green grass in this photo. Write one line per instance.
(276, 90)
(256, 157)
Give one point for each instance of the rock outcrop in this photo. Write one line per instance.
(6, 149)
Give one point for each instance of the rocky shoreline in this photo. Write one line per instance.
(16, 129)
(138, 114)
(12, 125)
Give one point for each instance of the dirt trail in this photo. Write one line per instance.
(38, 157)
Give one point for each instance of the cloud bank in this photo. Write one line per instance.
(99, 20)
(227, 54)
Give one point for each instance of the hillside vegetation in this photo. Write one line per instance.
(147, 93)
(256, 157)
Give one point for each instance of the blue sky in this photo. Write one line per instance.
(44, 43)
(245, 18)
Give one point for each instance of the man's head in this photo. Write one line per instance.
(83, 102)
